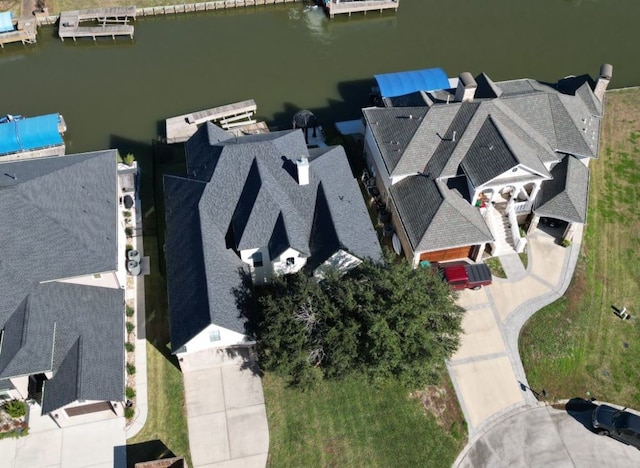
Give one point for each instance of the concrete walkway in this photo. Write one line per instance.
(226, 415)
(137, 294)
(486, 371)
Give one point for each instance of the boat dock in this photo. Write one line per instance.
(111, 22)
(25, 32)
(240, 114)
(338, 7)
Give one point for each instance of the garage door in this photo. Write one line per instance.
(449, 254)
(91, 408)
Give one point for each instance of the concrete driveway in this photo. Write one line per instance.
(546, 437)
(226, 415)
(85, 445)
(486, 371)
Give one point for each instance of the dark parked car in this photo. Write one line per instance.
(619, 424)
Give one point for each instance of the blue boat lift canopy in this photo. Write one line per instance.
(30, 133)
(6, 23)
(401, 83)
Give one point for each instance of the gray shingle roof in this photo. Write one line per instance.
(252, 199)
(565, 196)
(58, 219)
(435, 217)
(89, 336)
(525, 123)
(393, 130)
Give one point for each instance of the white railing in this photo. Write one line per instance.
(519, 242)
(522, 207)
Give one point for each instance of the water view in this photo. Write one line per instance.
(291, 57)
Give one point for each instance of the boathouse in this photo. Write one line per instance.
(31, 137)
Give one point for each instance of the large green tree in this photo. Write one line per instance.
(384, 320)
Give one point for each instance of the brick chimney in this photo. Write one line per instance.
(467, 87)
(606, 71)
(303, 170)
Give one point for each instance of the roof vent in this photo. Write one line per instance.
(303, 170)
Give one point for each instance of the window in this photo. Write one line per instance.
(257, 259)
(291, 261)
(214, 335)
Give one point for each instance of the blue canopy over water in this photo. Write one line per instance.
(30, 133)
(399, 84)
(5, 22)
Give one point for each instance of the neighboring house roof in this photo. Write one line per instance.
(508, 125)
(243, 193)
(87, 326)
(565, 196)
(435, 217)
(58, 219)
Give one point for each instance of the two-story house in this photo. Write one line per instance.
(459, 168)
(248, 208)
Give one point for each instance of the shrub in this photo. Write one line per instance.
(566, 242)
(128, 231)
(130, 347)
(128, 310)
(129, 247)
(126, 214)
(15, 408)
(129, 159)
(129, 392)
(130, 327)
(129, 413)
(131, 369)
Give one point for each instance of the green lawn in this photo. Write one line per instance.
(349, 423)
(577, 347)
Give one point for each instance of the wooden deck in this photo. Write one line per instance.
(25, 32)
(111, 22)
(337, 7)
(179, 129)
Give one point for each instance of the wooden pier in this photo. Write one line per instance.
(111, 22)
(25, 32)
(338, 7)
(179, 129)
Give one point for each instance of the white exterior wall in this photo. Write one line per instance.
(373, 154)
(276, 266)
(497, 184)
(258, 274)
(279, 264)
(203, 341)
(21, 385)
(341, 261)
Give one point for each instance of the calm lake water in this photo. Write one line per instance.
(290, 57)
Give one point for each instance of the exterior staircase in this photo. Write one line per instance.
(498, 223)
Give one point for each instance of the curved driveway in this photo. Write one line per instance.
(546, 437)
(486, 371)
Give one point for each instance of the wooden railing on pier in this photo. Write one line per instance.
(179, 129)
(337, 7)
(112, 22)
(25, 33)
(207, 6)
